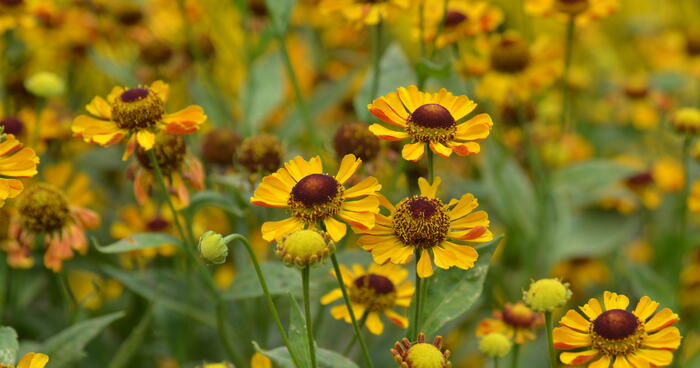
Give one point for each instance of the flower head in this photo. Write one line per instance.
(354, 138)
(137, 114)
(15, 162)
(314, 197)
(305, 247)
(423, 224)
(262, 153)
(612, 335)
(372, 293)
(495, 344)
(363, 12)
(686, 120)
(31, 360)
(421, 354)
(584, 11)
(430, 118)
(516, 321)
(545, 295)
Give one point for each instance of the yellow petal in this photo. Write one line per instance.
(387, 134)
(335, 228)
(374, 323)
(413, 151)
(348, 167)
(615, 301)
(666, 339)
(33, 360)
(425, 266)
(578, 357)
(146, 139)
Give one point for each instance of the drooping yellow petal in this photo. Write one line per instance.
(579, 357)
(359, 220)
(335, 228)
(100, 108)
(332, 296)
(425, 265)
(374, 323)
(367, 186)
(367, 204)
(146, 139)
(413, 151)
(348, 167)
(440, 149)
(603, 362)
(396, 318)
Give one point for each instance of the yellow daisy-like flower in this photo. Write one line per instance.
(137, 114)
(584, 10)
(430, 118)
(15, 162)
(314, 197)
(612, 335)
(423, 224)
(363, 12)
(516, 321)
(31, 360)
(463, 19)
(374, 292)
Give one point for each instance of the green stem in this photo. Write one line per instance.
(566, 89)
(495, 362)
(417, 310)
(188, 239)
(362, 322)
(550, 339)
(307, 315)
(516, 356)
(266, 291)
(441, 26)
(376, 61)
(686, 186)
(431, 163)
(348, 305)
(4, 285)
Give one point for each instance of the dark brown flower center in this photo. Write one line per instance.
(134, 94)
(454, 18)
(10, 3)
(519, 316)
(315, 189)
(422, 208)
(432, 116)
(510, 55)
(12, 125)
(43, 209)
(640, 180)
(378, 283)
(616, 324)
(421, 222)
(158, 224)
(692, 42)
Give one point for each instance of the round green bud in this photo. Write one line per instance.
(213, 248)
(546, 295)
(495, 345)
(305, 247)
(45, 84)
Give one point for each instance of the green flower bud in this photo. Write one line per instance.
(305, 247)
(495, 345)
(547, 294)
(213, 248)
(45, 84)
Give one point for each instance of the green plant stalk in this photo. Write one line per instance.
(307, 315)
(131, 345)
(495, 362)
(514, 362)
(415, 325)
(376, 62)
(39, 110)
(4, 283)
(266, 291)
(431, 163)
(421, 27)
(550, 340)
(362, 322)
(566, 103)
(355, 326)
(189, 242)
(686, 187)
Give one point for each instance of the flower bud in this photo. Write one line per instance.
(545, 295)
(213, 248)
(305, 247)
(686, 120)
(45, 84)
(495, 345)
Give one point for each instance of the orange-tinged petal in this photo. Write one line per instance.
(578, 357)
(440, 149)
(387, 134)
(666, 339)
(661, 320)
(389, 109)
(575, 321)
(185, 121)
(100, 108)
(659, 358)
(465, 149)
(566, 338)
(396, 318)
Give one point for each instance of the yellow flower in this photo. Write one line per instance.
(421, 354)
(136, 114)
(495, 345)
(260, 361)
(430, 118)
(615, 337)
(373, 292)
(582, 273)
(422, 225)
(32, 360)
(305, 247)
(90, 290)
(362, 12)
(463, 18)
(516, 321)
(584, 11)
(314, 197)
(668, 174)
(545, 295)
(15, 162)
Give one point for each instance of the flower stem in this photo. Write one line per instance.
(516, 356)
(566, 104)
(376, 61)
(266, 291)
(686, 187)
(418, 293)
(495, 362)
(188, 241)
(550, 340)
(307, 315)
(431, 163)
(355, 326)
(362, 322)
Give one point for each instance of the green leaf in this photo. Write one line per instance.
(211, 198)
(164, 290)
(261, 92)
(452, 292)
(66, 347)
(326, 358)
(432, 69)
(280, 11)
(587, 182)
(138, 241)
(281, 280)
(130, 346)
(646, 281)
(8, 346)
(395, 71)
(298, 339)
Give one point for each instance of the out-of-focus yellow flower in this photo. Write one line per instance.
(612, 335)
(91, 291)
(582, 273)
(45, 84)
(686, 120)
(668, 174)
(516, 321)
(584, 11)
(424, 224)
(373, 292)
(313, 196)
(430, 119)
(495, 345)
(690, 283)
(361, 12)
(464, 18)
(224, 276)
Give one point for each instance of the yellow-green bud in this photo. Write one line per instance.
(305, 247)
(686, 120)
(547, 294)
(217, 365)
(495, 345)
(213, 248)
(45, 84)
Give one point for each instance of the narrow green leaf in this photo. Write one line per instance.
(451, 293)
(280, 280)
(131, 345)
(326, 358)
(8, 346)
(138, 241)
(261, 92)
(280, 12)
(298, 339)
(66, 347)
(587, 182)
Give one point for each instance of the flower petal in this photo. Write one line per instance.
(413, 151)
